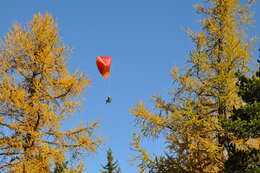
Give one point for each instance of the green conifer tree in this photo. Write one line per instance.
(244, 124)
(111, 166)
(60, 167)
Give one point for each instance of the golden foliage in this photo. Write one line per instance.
(205, 92)
(143, 156)
(37, 92)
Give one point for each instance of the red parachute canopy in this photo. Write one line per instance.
(104, 64)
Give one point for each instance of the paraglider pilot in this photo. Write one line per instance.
(104, 65)
(108, 100)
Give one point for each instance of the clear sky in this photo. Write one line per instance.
(146, 39)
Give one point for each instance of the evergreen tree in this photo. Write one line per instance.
(244, 124)
(206, 92)
(111, 166)
(37, 92)
(60, 167)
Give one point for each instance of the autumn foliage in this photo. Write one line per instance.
(205, 93)
(210, 122)
(37, 93)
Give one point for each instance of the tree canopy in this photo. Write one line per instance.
(206, 92)
(37, 92)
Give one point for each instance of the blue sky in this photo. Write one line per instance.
(146, 39)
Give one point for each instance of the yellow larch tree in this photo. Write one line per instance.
(205, 92)
(37, 93)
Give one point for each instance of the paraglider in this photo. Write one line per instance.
(104, 65)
